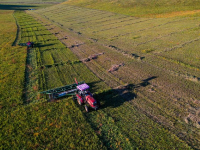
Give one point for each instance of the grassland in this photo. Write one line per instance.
(31, 1)
(34, 126)
(108, 128)
(63, 123)
(145, 8)
(149, 102)
(160, 57)
(12, 63)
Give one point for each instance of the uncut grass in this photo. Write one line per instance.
(43, 126)
(12, 63)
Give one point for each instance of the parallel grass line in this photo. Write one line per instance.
(125, 34)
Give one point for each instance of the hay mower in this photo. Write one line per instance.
(79, 91)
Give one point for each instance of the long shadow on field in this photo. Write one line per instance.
(15, 7)
(42, 45)
(116, 97)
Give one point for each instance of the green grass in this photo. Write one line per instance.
(139, 8)
(12, 63)
(41, 125)
(33, 1)
(139, 36)
(149, 47)
(157, 110)
(63, 123)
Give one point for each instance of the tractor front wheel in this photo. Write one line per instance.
(86, 108)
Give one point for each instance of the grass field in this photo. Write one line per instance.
(150, 101)
(164, 78)
(40, 125)
(144, 8)
(32, 1)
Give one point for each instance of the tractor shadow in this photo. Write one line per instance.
(42, 45)
(116, 97)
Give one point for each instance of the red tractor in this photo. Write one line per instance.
(80, 91)
(84, 96)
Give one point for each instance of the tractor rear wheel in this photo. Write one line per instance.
(86, 108)
(79, 101)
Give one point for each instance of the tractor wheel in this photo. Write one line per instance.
(86, 108)
(79, 101)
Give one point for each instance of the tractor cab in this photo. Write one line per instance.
(84, 96)
(83, 89)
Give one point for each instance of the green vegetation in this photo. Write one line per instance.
(138, 8)
(32, 1)
(42, 125)
(12, 63)
(154, 70)
(145, 74)
(62, 123)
